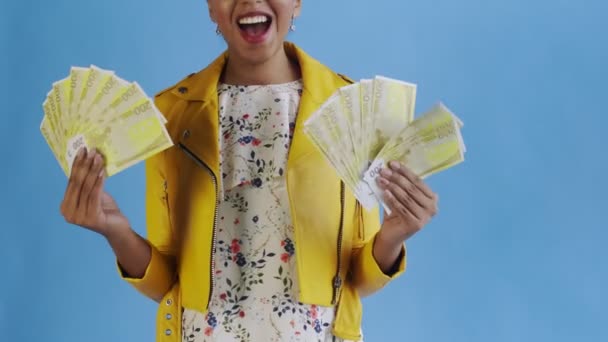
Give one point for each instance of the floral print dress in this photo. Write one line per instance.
(255, 295)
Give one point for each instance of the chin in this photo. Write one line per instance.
(259, 53)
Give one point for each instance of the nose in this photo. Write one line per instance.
(245, 2)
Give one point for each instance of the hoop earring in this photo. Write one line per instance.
(292, 27)
(217, 31)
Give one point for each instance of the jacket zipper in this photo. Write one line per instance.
(337, 281)
(204, 166)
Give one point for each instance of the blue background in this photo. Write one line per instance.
(517, 252)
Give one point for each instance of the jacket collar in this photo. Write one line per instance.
(319, 83)
(202, 86)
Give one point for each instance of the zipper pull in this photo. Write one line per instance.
(165, 187)
(337, 282)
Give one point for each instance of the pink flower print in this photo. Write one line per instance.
(235, 247)
(256, 142)
(285, 257)
(246, 116)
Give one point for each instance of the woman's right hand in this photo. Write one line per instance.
(85, 203)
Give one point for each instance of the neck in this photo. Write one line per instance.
(274, 70)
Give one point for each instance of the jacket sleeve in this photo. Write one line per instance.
(161, 272)
(367, 277)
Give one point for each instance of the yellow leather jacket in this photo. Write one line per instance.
(333, 234)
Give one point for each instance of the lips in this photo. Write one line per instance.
(254, 26)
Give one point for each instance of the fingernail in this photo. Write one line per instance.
(102, 173)
(395, 165)
(383, 182)
(97, 160)
(386, 173)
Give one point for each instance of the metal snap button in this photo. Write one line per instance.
(169, 301)
(182, 90)
(168, 332)
(168, 316)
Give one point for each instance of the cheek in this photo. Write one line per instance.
(284, 20)
(221, 11)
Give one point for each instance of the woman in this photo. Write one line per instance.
(251, 234)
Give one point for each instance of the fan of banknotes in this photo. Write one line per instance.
(94, 108)
(365, 125)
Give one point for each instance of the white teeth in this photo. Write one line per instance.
(253, 20)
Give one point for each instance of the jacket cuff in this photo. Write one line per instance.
(370, 272)
(157, 278)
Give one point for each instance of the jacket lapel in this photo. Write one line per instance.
(319, 84)
(200, 133)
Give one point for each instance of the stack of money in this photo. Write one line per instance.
(365, 125)
(95, 109)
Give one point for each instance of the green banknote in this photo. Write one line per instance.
(366, 117)
(393, 104)
(365, 125)
(94, 108)
(431, 143)
(329, 131)
(135, 135)
(78, 79)
(353, 125)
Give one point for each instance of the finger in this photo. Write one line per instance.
(416, 187)
(398, 208)
(413, 178)
(92, 178)
(81, 178)
(96, 193)
(70, 199)
(406, 200)
(407, 186)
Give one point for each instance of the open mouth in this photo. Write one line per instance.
(254, 27)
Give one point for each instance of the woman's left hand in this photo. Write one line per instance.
(411, 201)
